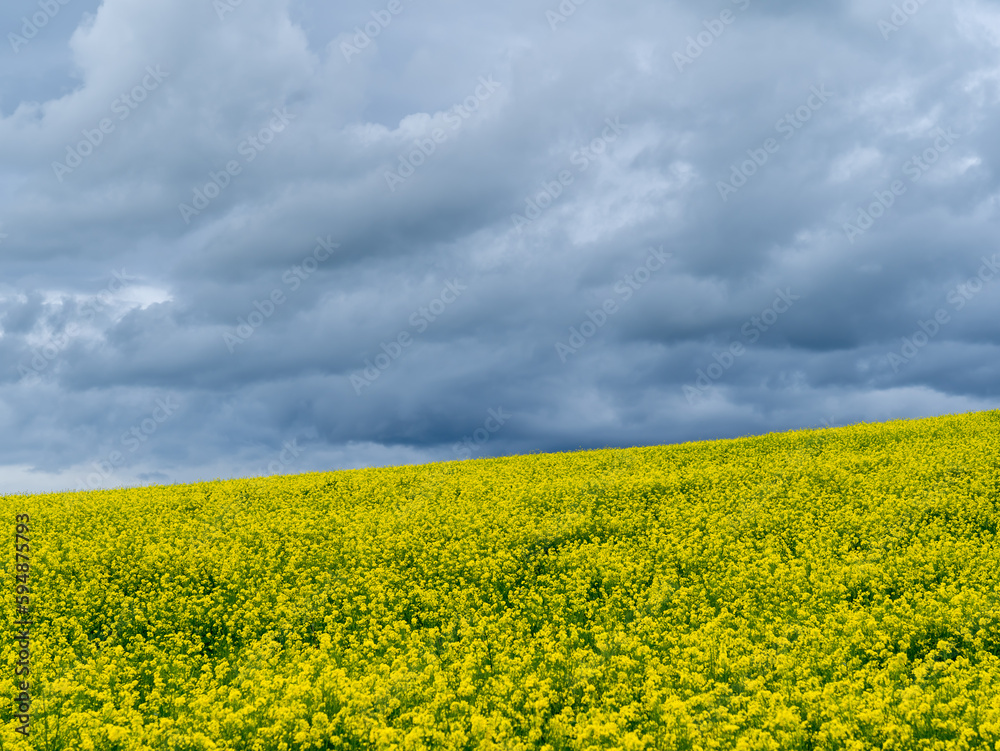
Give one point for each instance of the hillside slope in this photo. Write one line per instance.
(819, 589)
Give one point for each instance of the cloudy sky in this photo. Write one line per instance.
(242, 238)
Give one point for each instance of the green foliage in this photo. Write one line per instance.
(833, 589)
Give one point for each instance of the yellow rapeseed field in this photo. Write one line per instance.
(819, 589)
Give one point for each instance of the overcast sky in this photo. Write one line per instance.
(244, 238)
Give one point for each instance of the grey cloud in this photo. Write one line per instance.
(533, 148)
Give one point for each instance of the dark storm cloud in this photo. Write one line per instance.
(289, 236)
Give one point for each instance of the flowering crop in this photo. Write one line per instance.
(819, 589)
